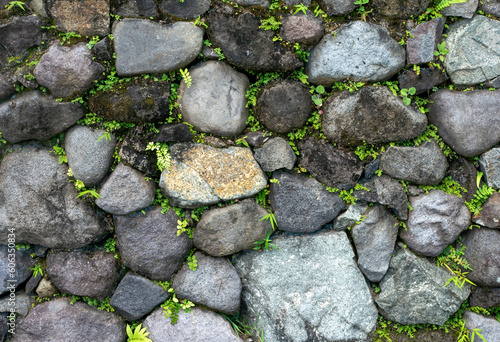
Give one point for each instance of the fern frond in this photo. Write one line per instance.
(442, 4)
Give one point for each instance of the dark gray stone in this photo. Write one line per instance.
(426, 36)
(275, 154)
(426, 80)
(489, 164)
(485, 297)
(228, 230)
(424, 164)
(39, 202)
(20, 33)
(350, 217)
(302, 28)
(296, 2)
(469, 122)
(256, 139)
(246, 46)
(173, 133)
(22, 77)
(338, 7)
(32, 284)
(20, 264)
(58, 320)
(400, 9)
(126, 191)
(489, 327)
(261, 3)
(102, 50)
(465, 173)
(187, 9)
(482, 251)
(413, 291)
(138, 8)
(137, 296)
(215, 102)
(360, 51)
(490, 7)
(177, 44)
(40, 251)
(209, 53)
(465, 9)
(149, 245)
(33, 115)
(490, 212)
(370, 168)
(3, 327)
(437, 219)
(89, 153)
(284, 106)
(301, 204)
(133, 152)
(6, 88)
(23, 304)
(372, 115)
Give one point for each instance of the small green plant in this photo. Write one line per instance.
(275, 181)
(408, 92)
(319, 90)
(37, 269)
(441, 4)
(186, 77)
(22, 246)
(162, 154)
(362, 10)
(218, 51)
(441, 51)
(138, 335)
(61, 153)
(300, 7)
(319, 11)
(480, 197)
(199, 22)
(265, 243)
(110, 246)
(106, 135)
(90, 192)
(67, 36)
(92, 42)
(183, 227)
(172, 306)
(454, 261)
(270, 24)
(192, 262)
(19, 4)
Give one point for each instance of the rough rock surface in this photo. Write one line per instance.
(46, 289)
(482, 251)
(428, 79)
(138, 9)
(187, 9)
(33, 115)
(490, 212)
(67, 71)
(437, 219)
(215, 102)
(201, 175)
(489, 326)
(301, 204)
(426, 36)
(349, 218)
(133, 152)
(490, 7)
(413, 291)
(372, 115)
(465, 9)
(302, 28)
(261, 3)
(338, 7)
(23, 303)
(360, 51)
(322, 295)
(489, 164)
(177, 44)
(485, 297)
(6, 88)
(149, 245)
(400, 9)
(464, 172)
(228, 230)
(173, 133)
(246, 46)
(22, 264)
(469, 122)
(102, 50)
(32, 184)
(20, 33)
(275, 154)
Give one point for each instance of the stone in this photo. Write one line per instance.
(87, 17)
(275, 154)
(360, 51)
(247, 46)
(339, 7)
(38, 7)
(437, 219)
(261, 3)
(40, 251)
(199, 325)
(284, 106)
(473, 55)
(200, 175)
(302, 28)
(256, 139)
(372, 115)
(426, 80)
(32, 283)
(465, 173)
(464, 10)
(138, 8)
(87, 274)
(370, 168)
(46, 289)
(413, 291)
(61, 321)
(138, 101)
(333, 167)
(489, 164)
(322, 295)
(133, 152)
(221, 289)
(89, 153)
(149, 245)
(468, 122)
(489, 327)
(494, 83)
(173, 133)
(490, 212)
(3, 327)
(157, 48)
(22, 302)
(215, 102)
(400, 9)
(67, 71)
(375, 238)
(485, 297)
(126, 191)
(482, 251)
(6, 88)
(188, 9)
(137, 296)
(20, 34)
(296, 2)
(102, 50)
(423, 41)
(209, 53)
(32, 185)
(349, 218)
(21, 263)
(424, 164)
(226, 231)
(22, 77)
(301, 204)
(33, 115)
(490, 7)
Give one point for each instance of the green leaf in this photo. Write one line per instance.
(412, 91)
(406, 101)
(320, 89)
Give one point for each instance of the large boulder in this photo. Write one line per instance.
(20, 33)
(482, 251)
(400, 9)
(12, 259)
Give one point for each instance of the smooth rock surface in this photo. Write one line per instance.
(465, 9)
(20, 34)
(400, 9)
(428, 79)
(275, 154)
(302, 28)
(21, 265)
(426, 36)
(187, 9)
(488, 326)
(490, 212)
(482, 251)
(489, 164)
(350, 216)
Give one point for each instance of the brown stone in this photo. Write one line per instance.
(490, 214)
(86, 17)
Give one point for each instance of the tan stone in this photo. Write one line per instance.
(86, 17)
(46, 289)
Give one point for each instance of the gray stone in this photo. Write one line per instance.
(126, 191)
(247, 46)
(296, 2)
(375, 238)
(137, 296)
(102, 50)
(20, 264)
(494, 83)
(465, 9)
(3, 327)
(228, 230)
(187, 9)
(482, 251)
(261, 3)
(302, 28)
(46, 289)
(490, 7)
(40, 251)
(67, 71)
(426, 80)
(133, 152)
(301, 204)
(33, 115)
(89, 274)
(40, 203)
(425, 38)
(349, 218)
(58, 320)
(209, 53)
(215, 102)
(437, 219)
(372, 115)
(275, 154)
(473, 55)
(199, 325)
(489, 164)
(89, 153)
(256, 139)
(6, 88)
(149, 245)
(32, 283)
(20, 33)
(201, 175)
(221, 289)
(22, 77)
(173, 133)
(360, 51)
(489, 327)
(485, 297)
(490, 212)
(38, 7)
(22, 302)
(400, 9)
(309, 289)
(413, 291)
(469, 122)
(157, 48)
(138, 8)
(424, 164)
(338, 7)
